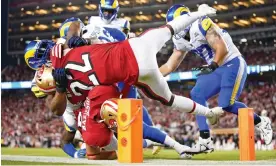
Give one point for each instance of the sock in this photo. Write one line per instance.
(181, 22)
(201, 120)
(69, 149)
(173, 144)
(235, 108)
(187, 105)
(204, 134)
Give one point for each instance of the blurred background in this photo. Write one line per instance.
(26, 121)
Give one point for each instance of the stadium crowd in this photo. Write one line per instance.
(27, 122)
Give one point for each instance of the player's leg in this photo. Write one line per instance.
(155, 86)
(132, 93)
(233, 80)
(69, 120)
(146, 46)
(146, 117)
(201, 92)
(94, 133)
(158, 136)
(113, 145)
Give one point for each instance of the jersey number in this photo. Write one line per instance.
(87, 66)
(199, 51)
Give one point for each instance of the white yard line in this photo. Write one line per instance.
(146, 162)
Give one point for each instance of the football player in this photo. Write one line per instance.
(108, 11)
(43, 85)
(44, 80)
(226, 71)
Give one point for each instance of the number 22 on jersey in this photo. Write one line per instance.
(83, 68)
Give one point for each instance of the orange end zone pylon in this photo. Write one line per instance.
(130, 131)
(246, 134)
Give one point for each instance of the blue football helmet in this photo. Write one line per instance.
(63, 29)
(37, 53)
(175, 11)
(108, 10)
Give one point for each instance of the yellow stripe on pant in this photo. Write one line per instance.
(237, 83)
(130, 131)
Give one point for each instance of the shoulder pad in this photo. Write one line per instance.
(92, 19)
(204, 24)
(124, 23)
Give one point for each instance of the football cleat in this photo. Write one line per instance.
(213, 115)
(184, 154)
(202, 146)
(265, 129)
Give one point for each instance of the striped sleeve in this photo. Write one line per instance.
(56, 55)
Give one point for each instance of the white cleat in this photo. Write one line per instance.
(207, 10)
(202, 146)
(213, 115)
(185, 155)
(265, 129)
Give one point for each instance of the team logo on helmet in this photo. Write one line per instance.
(109, 112)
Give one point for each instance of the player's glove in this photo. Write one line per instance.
(80, 153)
(206, 69)
(76, 41)
(59, 75)
(207, 10)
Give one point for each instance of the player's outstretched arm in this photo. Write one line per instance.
(173, 62)
(217, 43)
(58, 103)
(74, 30)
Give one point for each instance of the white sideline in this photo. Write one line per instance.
(146, 162)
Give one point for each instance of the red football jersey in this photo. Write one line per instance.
(98, 64)
(94, 132)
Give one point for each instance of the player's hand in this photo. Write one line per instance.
(59, 75)
(207, 10)
(206, 69)
(76, 41)
(80, 153)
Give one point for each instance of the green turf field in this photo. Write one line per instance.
(164, 154)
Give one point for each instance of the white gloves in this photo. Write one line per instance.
(207, 10)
